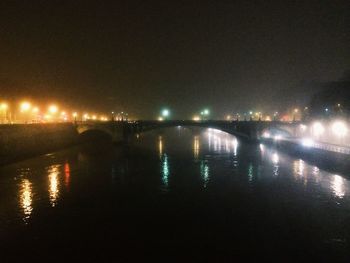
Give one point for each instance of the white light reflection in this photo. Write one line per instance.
(221, 141)
(262, 147)
(54, 184)
(26, 198)
(299, 167)
(209, 139)
(316, 173)
(250, 172)
(235, 146)
(275, 161)
(165, 171)
(300, 170)
(275, 158)
(338, 186)
(204, 170)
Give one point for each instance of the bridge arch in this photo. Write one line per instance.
(95, 134)
(218, 125)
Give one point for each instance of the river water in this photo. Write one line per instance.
(174, 194)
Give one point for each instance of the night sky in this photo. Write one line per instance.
(186, 55)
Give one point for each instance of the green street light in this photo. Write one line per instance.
(165, 113)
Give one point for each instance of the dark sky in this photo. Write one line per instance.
(141, 56)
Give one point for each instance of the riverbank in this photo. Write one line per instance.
(328, 160)
(21, 141)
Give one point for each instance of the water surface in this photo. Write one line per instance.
(173, 194)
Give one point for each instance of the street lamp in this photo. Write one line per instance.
(53, 109)
(339, 128)
(25, 106)
(165, 113)
(205, 113)
(75, 115)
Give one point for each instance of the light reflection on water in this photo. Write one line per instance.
(204, 170)
(212, 153)
(164, 163)
(306, 173)
(250, 172)
(195, 147)
(338, 186)
(66, 174)
(54, 184)
(26, 198)
(275, 161)
(160, 146)
(165, 171)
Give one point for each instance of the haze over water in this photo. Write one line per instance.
(173, 193)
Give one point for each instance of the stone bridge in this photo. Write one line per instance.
(249, 130)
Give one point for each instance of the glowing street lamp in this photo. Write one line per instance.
(318, 129)
(25, 106)
(4, 106)
(251, 116)
(165, 113)
(86, 116)
(339, 129)
(53, 109)
(75, 115)
(205, 113)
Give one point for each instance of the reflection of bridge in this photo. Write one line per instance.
(251, 130)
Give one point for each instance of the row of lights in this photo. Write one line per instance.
(339, 128)
(317, 130)
(27, 110)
